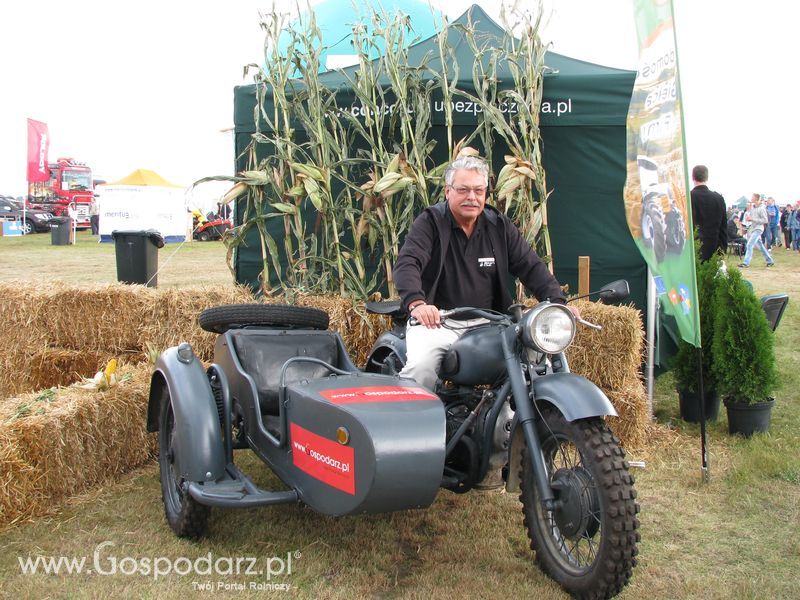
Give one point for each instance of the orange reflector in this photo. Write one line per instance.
(342, 435)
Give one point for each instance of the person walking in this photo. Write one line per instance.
(758, 221)
(708, 215)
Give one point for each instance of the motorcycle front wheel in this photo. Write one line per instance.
(588, 543)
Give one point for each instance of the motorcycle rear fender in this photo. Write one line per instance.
(199, 452)
(388, 342)
(574, 396)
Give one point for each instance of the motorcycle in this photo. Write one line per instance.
(349, 441)
(511, 401)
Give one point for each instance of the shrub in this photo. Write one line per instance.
(744, 358)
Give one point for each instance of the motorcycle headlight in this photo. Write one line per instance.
(548, 328)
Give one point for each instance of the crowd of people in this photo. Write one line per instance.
(781, 230)
(760, 225)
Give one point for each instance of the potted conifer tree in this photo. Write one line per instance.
(686, 359)
(743, 364)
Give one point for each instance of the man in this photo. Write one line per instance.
(94, 217)
(708, 215)
(459, 253)
(771, 230)
(758, 221)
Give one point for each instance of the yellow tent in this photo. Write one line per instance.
(144, 177)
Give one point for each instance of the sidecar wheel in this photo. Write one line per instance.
(220, 319)
(588, 544)
(187, 517)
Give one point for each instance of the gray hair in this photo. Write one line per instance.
(466, 163)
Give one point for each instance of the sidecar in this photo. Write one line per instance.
(282, 385)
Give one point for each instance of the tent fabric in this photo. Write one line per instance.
(583, 121)
(145, 177)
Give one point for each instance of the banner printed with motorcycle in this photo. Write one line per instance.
(655, 191)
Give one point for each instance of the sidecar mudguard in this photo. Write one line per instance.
(199, 451)
(574, 396)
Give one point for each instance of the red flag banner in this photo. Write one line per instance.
(38, 145)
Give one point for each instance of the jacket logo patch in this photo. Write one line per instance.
(487, 262)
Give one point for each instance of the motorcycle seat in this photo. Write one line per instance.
(263, 354)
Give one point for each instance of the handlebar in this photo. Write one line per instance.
(478, 312)
(489, 316)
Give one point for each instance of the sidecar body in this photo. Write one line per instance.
(342, 441)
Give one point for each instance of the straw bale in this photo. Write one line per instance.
(20, 313)
(612, 356)
(634, 421)
(62, 444)
(60, 367)
(171, 317)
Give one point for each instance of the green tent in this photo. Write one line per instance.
(584, 109)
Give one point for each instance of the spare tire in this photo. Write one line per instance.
(220, 319)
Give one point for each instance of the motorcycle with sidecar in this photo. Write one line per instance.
(506, 409)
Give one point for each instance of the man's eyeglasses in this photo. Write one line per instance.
(463, 190)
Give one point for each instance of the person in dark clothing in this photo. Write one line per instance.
(786, 213)
(708, 215)
(460, 253)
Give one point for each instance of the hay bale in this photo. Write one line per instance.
(54, 367)
(170, 317)
(612, 356)
(634, 421)
(65, 442)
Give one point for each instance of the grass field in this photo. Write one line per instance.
(734, 537)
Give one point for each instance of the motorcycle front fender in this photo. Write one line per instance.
(574, 396)
(199, 451)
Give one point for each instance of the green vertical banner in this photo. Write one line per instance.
(656, 187)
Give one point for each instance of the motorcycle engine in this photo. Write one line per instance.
(466, 455)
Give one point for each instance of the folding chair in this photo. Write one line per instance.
(774, 305)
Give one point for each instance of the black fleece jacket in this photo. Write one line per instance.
(419, 266)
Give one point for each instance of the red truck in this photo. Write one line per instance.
(70, 184)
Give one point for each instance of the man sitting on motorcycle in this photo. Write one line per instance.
(460, 253)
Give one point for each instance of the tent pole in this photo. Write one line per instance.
(652, 308)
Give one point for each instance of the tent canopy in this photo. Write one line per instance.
(583, 128)
(144, 177)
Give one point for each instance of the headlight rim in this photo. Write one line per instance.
(528, 326)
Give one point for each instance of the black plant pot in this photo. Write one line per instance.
(690, 405)
(747, 419)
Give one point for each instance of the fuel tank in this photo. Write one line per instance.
(476, 358)
(364, 443)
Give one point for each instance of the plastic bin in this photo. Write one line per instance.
(137, 256)
(60, 231)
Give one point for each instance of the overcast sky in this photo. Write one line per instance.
(150, 84)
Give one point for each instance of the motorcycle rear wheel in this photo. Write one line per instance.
(587, 545)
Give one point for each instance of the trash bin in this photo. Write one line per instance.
(60, 231)
(137, 256)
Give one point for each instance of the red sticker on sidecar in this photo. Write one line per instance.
(323, 459)
(377, 393)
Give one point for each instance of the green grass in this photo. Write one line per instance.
(87, 262)
(733, 537)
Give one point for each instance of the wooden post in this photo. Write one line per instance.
(583, 275)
